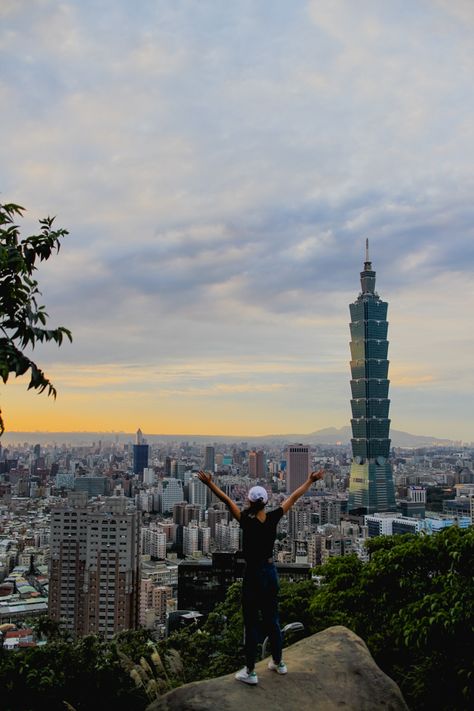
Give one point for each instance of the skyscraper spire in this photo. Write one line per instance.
(367, 276)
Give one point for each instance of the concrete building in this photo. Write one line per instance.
(388, 524)
(153, 603)
(227, 536)
(215, 516)
(153, 543)
(93, 485)
(149, 476)
(190, 539)
(297, 466)
(198, 493)
(299, 522)
(94, 565)
(193, 512)
(204, 538)
(315, 544)
(179, 513)
(209, 459)
(167, 528)
(257, 464)
(330, 512)
(336, 544)
(171, 493)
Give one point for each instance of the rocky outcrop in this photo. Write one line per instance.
(327, 671)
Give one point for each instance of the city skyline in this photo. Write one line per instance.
(219, 169)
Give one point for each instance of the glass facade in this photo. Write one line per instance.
(371, 482)
(140, 458)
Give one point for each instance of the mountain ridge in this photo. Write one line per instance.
(325, 436)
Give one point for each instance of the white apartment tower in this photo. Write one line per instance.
(171, 493)
(190, 539)
(198, 493)
(154, 543)
(204, 538)
(227, 536)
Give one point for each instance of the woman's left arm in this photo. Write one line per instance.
(288, 503)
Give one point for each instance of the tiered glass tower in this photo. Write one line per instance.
(371, 486)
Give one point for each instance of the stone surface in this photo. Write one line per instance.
(327, 671)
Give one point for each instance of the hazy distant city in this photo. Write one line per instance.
(170, 520)
(116, 533)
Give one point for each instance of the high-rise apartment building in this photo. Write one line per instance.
(330, 512)
(198, 493)
(227, 536)
(193, 513)
(315, 546)
(204, 538)
(299, 522)
(94, 565)
(214, 516)
(179, 513)
(297, 466)
(257, 467)
(154, 542)
(178, 469)
(149, 476)
(371, 487)
(190, 539)
(167, 528)
(171, 493)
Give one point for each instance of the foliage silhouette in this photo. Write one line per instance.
(412, 603)
(23, 322)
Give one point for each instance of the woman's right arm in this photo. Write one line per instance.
(207, 480)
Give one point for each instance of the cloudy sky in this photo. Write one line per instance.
(219, 166)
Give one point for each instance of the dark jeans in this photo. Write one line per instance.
(260, 608)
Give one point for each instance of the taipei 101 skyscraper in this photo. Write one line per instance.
(371, 486)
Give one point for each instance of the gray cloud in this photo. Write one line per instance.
(219, 167)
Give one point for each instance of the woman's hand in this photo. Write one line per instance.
(315, 476)
(205, 477)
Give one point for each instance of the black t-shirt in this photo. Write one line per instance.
(259, 537)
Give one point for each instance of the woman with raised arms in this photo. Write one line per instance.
(260, 584)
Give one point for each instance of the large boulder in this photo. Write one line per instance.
(327, 671)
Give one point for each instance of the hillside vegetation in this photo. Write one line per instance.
(413, 604)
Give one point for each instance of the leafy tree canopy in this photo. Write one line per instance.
(23, 322)
(412, 603)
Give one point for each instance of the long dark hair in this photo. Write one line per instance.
(253, 508)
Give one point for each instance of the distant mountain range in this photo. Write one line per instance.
(328, 435)
(342, 435)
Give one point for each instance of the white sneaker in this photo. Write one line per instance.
(246, 676)
(280, 668)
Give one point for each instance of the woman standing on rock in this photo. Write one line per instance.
(260, 584)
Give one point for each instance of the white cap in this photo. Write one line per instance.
(258, 493)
